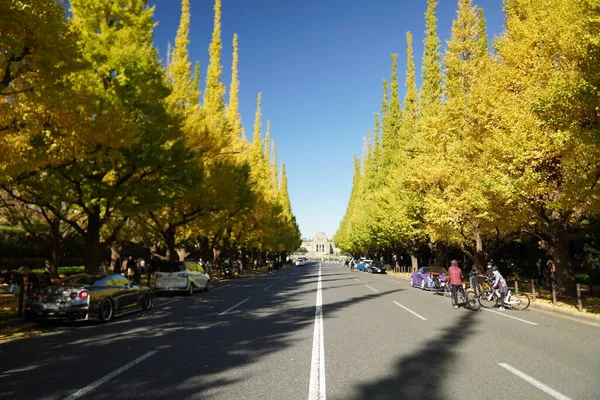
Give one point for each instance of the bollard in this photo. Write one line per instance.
(516, 287)
(553, 292)
(533, 289)
(579, 305)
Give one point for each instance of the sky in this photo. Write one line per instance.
(319, 65)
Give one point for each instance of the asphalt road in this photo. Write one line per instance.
(311, 332)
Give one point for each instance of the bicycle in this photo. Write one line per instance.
(491, 298)
(466, 298)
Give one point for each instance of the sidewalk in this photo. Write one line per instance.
(560, 310)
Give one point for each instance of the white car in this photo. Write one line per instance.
(181, 276)
(300, 262)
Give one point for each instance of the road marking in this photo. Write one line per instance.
(510, 316)
(165, 303)
(268, 287)
(231, 308)
(316, 389)
(535, 382)
(410, 311)
(357, 280)
(108, 377)
(219, 288)
(375, 290)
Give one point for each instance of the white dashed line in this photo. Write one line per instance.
(375, 290)
(510, 316)
(268, 287)
(231, 308)
(535, 382)
(108, 377)
(165, 303)
(410, 311)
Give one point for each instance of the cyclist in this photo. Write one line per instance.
(455, 277)
(500, 284)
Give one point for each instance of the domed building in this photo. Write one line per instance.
(319, 246)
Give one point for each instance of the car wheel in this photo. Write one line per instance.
(190, 290)
(207, 287)
(423, 284)
(147, 301)
(106, 310)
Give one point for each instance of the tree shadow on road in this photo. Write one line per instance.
(199, 352)
(424, 374)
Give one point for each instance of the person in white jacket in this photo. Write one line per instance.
(500, 284)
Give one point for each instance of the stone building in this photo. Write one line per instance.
(320, 246)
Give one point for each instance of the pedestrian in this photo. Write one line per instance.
(131, 268)
(455, 276)
(539, 272)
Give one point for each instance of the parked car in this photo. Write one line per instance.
(84, 296)
(181, 276)
(376, 267)
(363, 265)
(423, 277)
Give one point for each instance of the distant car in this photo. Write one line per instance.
(84, 296)
(363, 265)
(424, 277)
(181, 276)
(300, 261)
(376, 267)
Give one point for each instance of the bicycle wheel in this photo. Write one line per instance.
(519, 301)
(461, 298)
(487, 299)
(472, 302)
(447, 290)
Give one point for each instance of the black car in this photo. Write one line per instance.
(376, 267)
(83, 296)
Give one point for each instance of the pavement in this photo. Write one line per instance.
(311, 332)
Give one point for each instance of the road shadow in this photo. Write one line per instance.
(423, 374)
(198, 350)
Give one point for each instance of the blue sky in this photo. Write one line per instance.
(319, 65)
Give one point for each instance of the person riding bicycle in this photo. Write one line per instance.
(455, 277)
(500, 284)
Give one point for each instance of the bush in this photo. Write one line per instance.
(66, 271)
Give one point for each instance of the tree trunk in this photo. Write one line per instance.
(414, 262)
(440, 254)
(169, 236)
(479, 256)
(182, 253)
(115, 257)
(92, 242)
(560, 250)
(53, 258)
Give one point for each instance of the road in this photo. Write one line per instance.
(313, 332)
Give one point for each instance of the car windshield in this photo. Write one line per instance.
(435, 269)
(170, 267)
(377, 264)
(80, 279)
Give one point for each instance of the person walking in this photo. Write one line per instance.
(455, 276)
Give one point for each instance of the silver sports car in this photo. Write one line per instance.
(84, 296)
